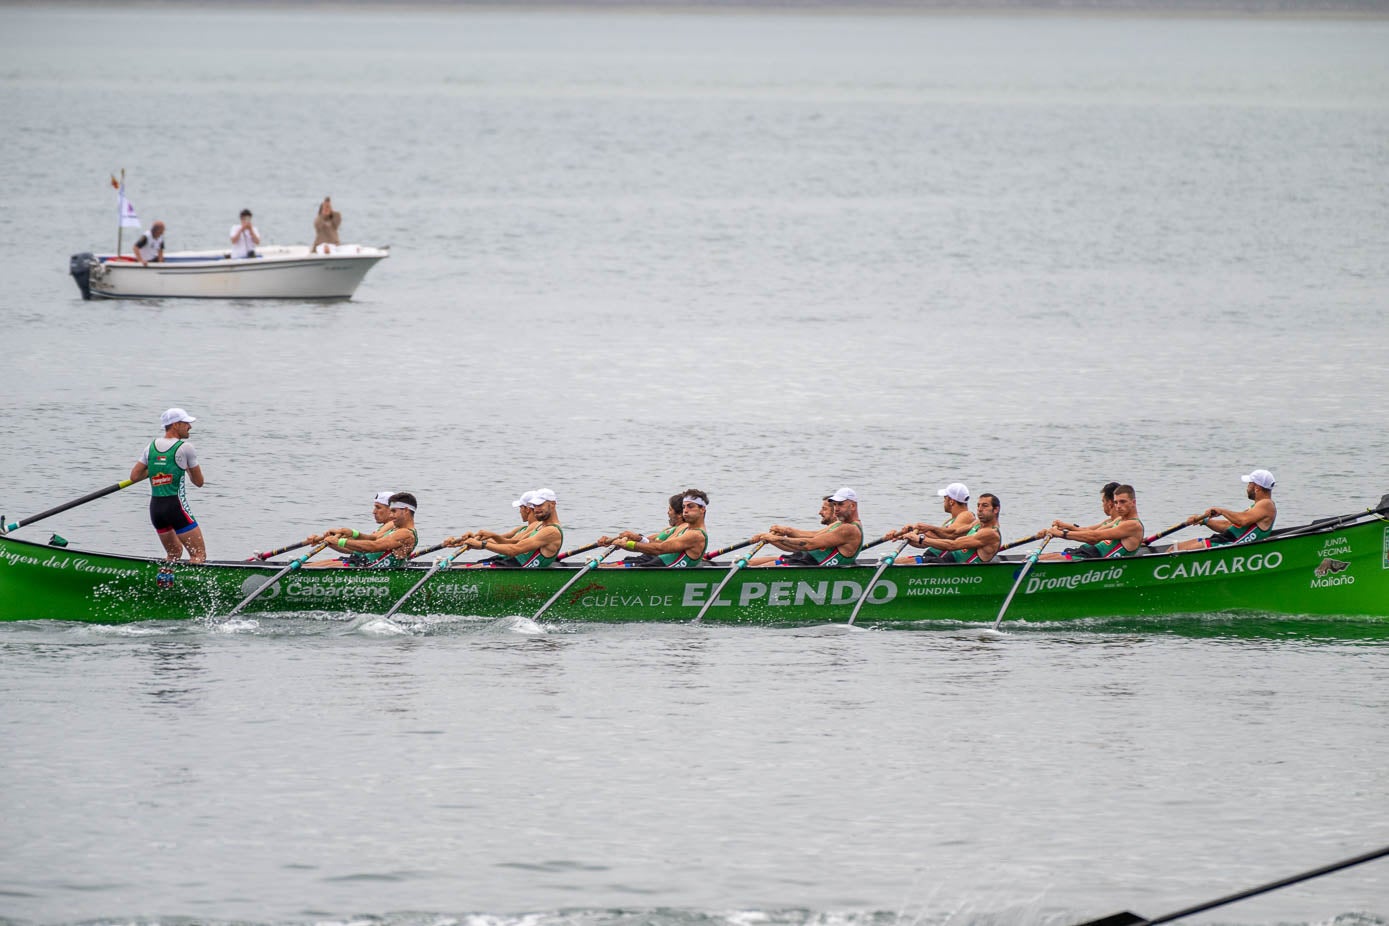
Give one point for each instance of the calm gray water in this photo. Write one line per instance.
(765, 254)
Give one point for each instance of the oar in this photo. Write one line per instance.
(738, 564)
(89, 497)
(276, 552)
(1171, 530)
(1133, 919)
(427, 550)
(1323, 524)
(293, 565)
(737, 546)
(881, 540)
(575, 552)
(441, 563)
(591, 564)
(882, 567)
(1031, 560)
(1017, 543)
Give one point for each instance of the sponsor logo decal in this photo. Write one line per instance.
(789, 593)
(1385, 564)
(1205, 567)
(251, 583)
(1074, 580)
(1329, 567)
(1336, 546)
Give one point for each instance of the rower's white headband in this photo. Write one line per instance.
(692, 500)
(403, 505)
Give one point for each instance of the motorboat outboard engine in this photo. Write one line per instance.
(80, 266)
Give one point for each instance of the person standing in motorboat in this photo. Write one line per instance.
(244, 237)
(325, 226)
(150, 245)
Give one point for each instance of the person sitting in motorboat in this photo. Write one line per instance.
(244, 237)
(1230, 526)
(325, 226)
(150, 245)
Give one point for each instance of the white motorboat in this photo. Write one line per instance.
(274, 273)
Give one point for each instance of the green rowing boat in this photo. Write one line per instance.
(1335, 567)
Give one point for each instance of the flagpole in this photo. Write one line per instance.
(120, 217)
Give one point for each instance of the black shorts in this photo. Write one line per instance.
(644, 561)
(800, 558)
(167, 514)
(1084, 551)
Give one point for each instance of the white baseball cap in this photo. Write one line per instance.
(1260, 477)
(527, 500)
(383, 498)
(174, 416)
(539, 496)
(957, 491)
(844, 494)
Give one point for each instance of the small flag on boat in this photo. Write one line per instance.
(129, 218)
(115, 184)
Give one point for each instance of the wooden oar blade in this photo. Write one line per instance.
(1117, 919)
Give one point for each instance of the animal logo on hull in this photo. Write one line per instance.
(1330, 567)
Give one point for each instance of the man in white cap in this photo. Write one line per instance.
(525, 504)
(532, 548)
(979, 544)
(391, 546)
(166, 461)
(1230, 526)
(835, 545)
(960, 520)
(380, 513)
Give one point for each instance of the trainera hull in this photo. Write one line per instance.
(277, 273)
(1342, 572)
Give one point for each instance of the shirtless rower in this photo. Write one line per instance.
(675, 507)
(835, 545)
(1251, 524)
(683, 548)
(390, 546)
(532, 547)
(955, 503)
(1123, 537)
(380, 513)
(979, 544)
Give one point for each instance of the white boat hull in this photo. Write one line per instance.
(275, 273)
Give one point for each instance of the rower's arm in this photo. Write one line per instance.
(984, 537)
(549, 536)
(371, 544)
(821, 540)
(139, 471)
(680, 543)
(785, 531)
(957, 528)
(1123, 531)
(195, 475)
(1262, 510)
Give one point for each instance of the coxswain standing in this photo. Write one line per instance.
(166, 461)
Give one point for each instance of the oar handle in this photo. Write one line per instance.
(1017, 543)
(260, 557)
(89, 497)
(575, 552)
(881, 540)
(729, 549)
(1171, 530)
(427, 550)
